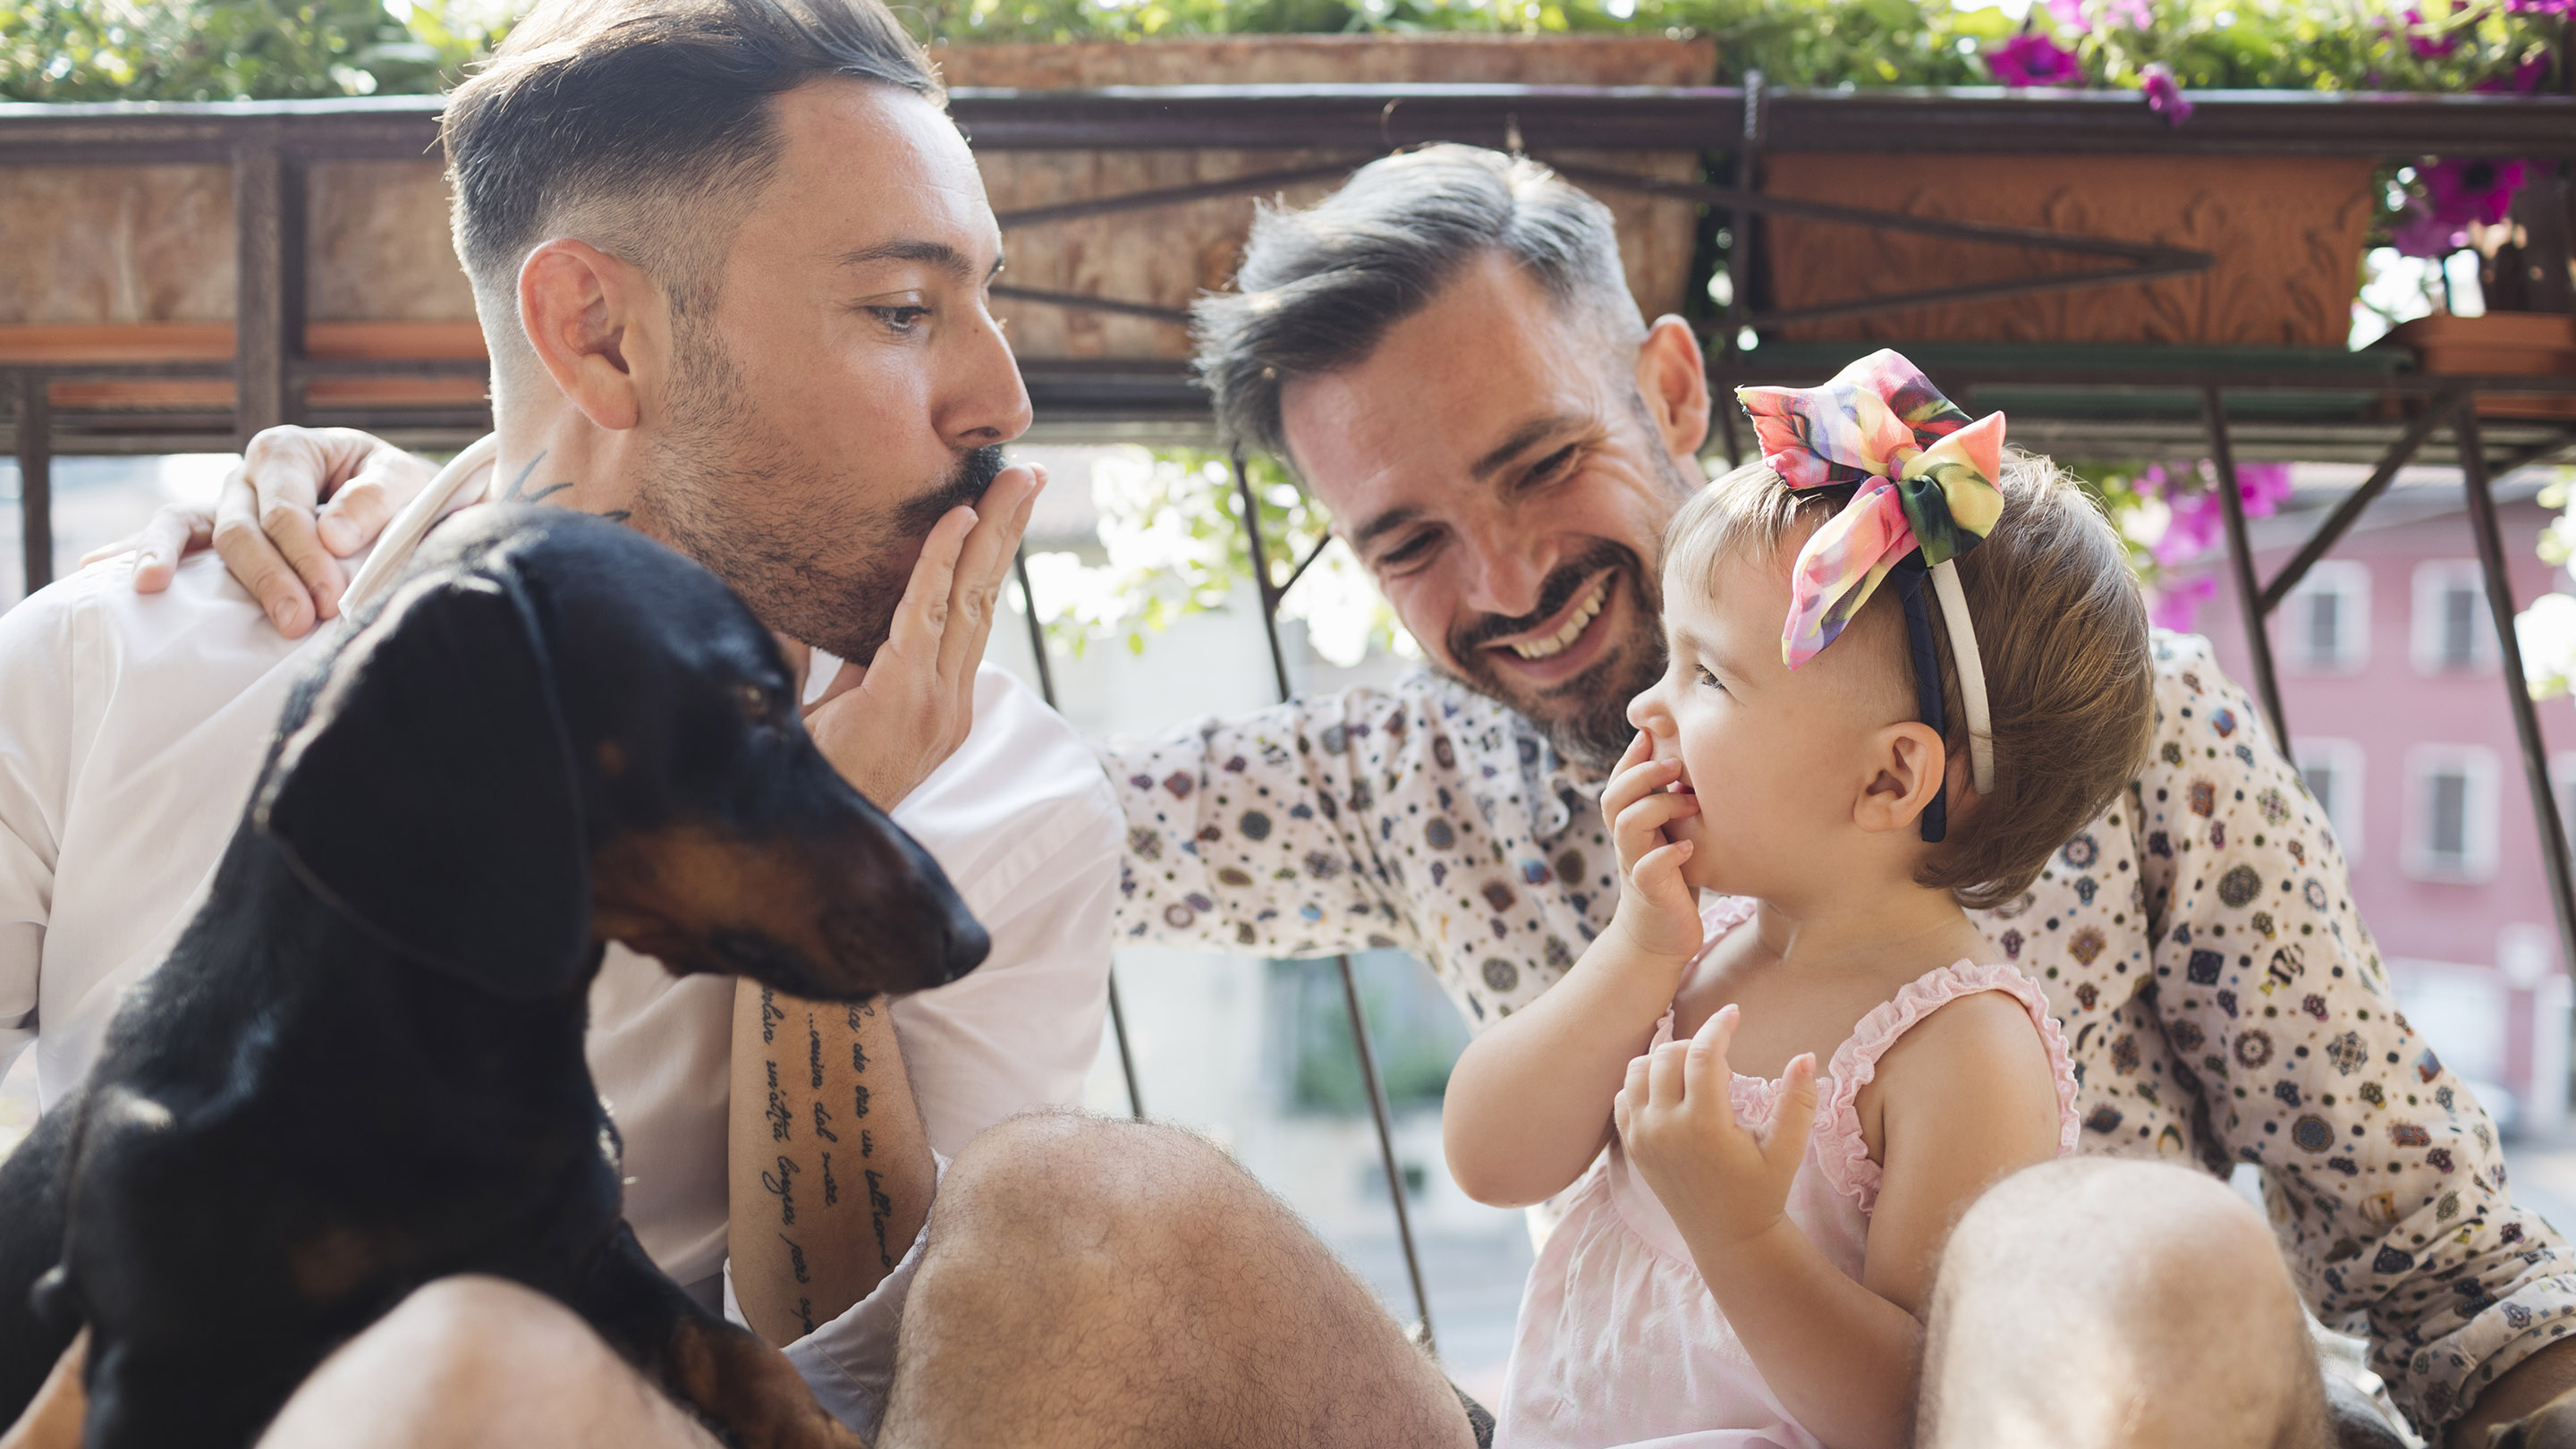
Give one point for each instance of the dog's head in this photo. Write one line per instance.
(555, 732)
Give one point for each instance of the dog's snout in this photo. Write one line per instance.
(968, 945)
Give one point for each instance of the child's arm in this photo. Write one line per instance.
(1970, 1103)
(1528, 1105)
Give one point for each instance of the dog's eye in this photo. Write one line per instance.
(758, 704)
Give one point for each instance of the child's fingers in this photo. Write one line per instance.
(1621, 1110)
(1715, 1037)
(1659, 872)
(1706, 1071)
(1664, 1074)
(1640, 827)
(1639, 751)
(1636, 782)
(1794, 1115)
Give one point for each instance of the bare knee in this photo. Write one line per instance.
(463, 1360)
(2101, 1301)
(2153, 1235)
(1074, 1180)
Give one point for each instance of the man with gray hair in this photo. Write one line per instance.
(1446, 353)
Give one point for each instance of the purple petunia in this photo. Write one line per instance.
(2164, 94)
(2177, 604)
(2031, 59)
(2540, 7)
(2419, 233)
(2480, 191)
(2427, 42)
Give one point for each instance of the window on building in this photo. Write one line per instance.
(2452, 630)
(2451, 834)
(2327, 619)
(2332, 770)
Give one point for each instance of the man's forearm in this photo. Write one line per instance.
(831, 1171)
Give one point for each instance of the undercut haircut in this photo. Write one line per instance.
(644, 128)
(2061, 629)
(1319, 287)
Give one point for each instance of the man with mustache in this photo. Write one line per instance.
(1446, 353)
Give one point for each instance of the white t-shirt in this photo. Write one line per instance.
(133, 726)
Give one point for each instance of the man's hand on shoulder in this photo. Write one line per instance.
(302, 500)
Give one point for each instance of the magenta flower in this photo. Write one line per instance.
(2419, 233)
(2427, 43)
(2529, 7)
(2528, 76)
(2461, 192)
(2264, 486)
(2031, 59)
(2177, 603)
(2164, 94)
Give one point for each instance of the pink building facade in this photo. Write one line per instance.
(2397, 717)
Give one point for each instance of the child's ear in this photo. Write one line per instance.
(1907, 767)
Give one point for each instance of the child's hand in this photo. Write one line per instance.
(1658, 911)
(1725, 1182)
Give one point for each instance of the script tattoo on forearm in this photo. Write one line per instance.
(781, 1120)
(831, 1189)
(770, 1016)
(880, 1207)
(814, 1052)
(796, 1262)
(823, 1123)
(782, 1185)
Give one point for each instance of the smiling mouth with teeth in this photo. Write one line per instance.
(1554, 645)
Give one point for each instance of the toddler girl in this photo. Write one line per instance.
(1750, 1261)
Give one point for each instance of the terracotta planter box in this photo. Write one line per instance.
(1168, 255)
(2499, 342)
(2286, 232)
(154, 244)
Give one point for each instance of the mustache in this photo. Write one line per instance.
(975, 471)
(1553, 596)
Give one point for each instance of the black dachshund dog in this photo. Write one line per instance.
(361, 1068)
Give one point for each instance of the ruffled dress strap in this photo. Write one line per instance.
(1717, 918)
(1842, 1152)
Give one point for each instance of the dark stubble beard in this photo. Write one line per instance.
(817, 554)
(1586, 717)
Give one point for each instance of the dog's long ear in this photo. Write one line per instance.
(430, 795)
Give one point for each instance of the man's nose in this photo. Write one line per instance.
(1509, 572)
(983, 401)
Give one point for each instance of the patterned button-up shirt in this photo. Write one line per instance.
(2199, 942)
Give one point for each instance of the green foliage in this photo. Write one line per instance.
(194, 50)
(224, 50)
(2254, 44)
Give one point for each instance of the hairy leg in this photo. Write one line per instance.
(474, 1361)
(2099, 1302)
(1097, 1282)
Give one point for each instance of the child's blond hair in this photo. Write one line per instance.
(2060, 627)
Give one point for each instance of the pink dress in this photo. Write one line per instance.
(1620, 1343)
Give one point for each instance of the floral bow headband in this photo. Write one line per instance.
(1924, 476)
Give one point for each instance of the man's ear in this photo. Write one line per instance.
(1673, 379)
(430, 796)
(1907, 768)
(594, 322)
